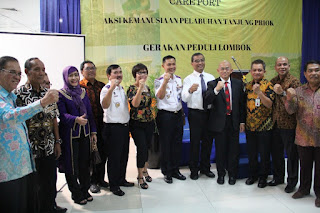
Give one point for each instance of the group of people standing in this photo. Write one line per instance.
(276, 115)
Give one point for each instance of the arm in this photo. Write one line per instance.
(210, 94)
(162, 91)
(136, 99)
(267, 102)
(57, 147)
(186, 95)
(291, 103)
(65, 117)
(106, 99)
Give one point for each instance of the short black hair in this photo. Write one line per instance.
(259, 61)
(86, 62)
(28, 64)
(111, 67)
(310, 62)
(167, 57)
(5, 59)
(196, 54)
(137, 68)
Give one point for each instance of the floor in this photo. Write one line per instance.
(202, 195)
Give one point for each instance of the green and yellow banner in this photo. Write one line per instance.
(127, 32)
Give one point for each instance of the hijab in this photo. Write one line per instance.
(76, 91)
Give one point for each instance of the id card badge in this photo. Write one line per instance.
(257, 102)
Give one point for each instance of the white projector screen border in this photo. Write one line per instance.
(56, 51)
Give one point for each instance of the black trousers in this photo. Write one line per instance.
(99, 170)
(20, 195)
(284, 139)
(198, 124)
(116, 136)
(308, 155)
(258, 143)
(170, 127)
(227, 149)
(142, 136)
(81, 162)
(46, 179)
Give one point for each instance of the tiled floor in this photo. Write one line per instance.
(202, 195)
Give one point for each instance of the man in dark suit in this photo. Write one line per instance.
(227, 117)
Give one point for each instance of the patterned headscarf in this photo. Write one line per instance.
(76, 91)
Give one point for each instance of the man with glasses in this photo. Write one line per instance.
(193, 93)
(305, 102)
(227, 118)
(43, 133)
(93, 89)
(17, 168)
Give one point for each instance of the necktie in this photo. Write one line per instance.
(226, 91)
(203, 89)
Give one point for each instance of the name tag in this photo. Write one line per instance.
(257, 102)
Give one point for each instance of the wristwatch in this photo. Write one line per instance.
(283, 94)
(59, 141)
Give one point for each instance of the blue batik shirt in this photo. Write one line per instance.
(16, 158)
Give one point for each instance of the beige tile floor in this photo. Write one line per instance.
(203, 195)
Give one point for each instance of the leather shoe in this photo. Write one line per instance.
(194, 175)
(179, 176)
(208, 173)
(126, 184)
(104, 184)
(118, 192)
(289, 188)
(251, 180)
(317, 202)
(168, 179)
(94, 188)
(220, 180)
(59, 209)
(299, 194)
(262, 183)
(232, 180)
(275, 182)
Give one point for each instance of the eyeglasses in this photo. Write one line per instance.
(142, 73)
(313, 70)
(225, 68)
(47, 83)
(13, 72)
(90, 68)
(199, 60)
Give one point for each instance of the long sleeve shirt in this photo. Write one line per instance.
(16, 158)
(307, 108)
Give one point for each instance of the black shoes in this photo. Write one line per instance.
(289, 188)
(232, 180)
(251, 180)
(220, 180)
(262, 183)
(299, 194)
(59, 209)
(208, 173)
(168, 179)
(94, 188)
(275, 182)
(126, 184)
(118, 192)
(194, 175)
(179, 176)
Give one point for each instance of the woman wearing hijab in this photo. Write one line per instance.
(141, 120)
(77, 129)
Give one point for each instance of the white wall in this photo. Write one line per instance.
(24, 18)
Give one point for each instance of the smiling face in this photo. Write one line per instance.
(74, 78)
(225, 70)
(116, 74)
(89, 71)
(282, 66)
(257, 72)
(198, 63)
(36, 73)
(10, 76)
(169, 66)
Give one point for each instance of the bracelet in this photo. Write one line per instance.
(59, 141)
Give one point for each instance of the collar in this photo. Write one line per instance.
(29, 87)
(229, 80)
(4, 93)
(197, 74)
(86, 82)
(307, 86)
(288, 76)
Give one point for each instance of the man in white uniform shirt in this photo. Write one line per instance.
(194, 87)
(116, 129)
(170, 119)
